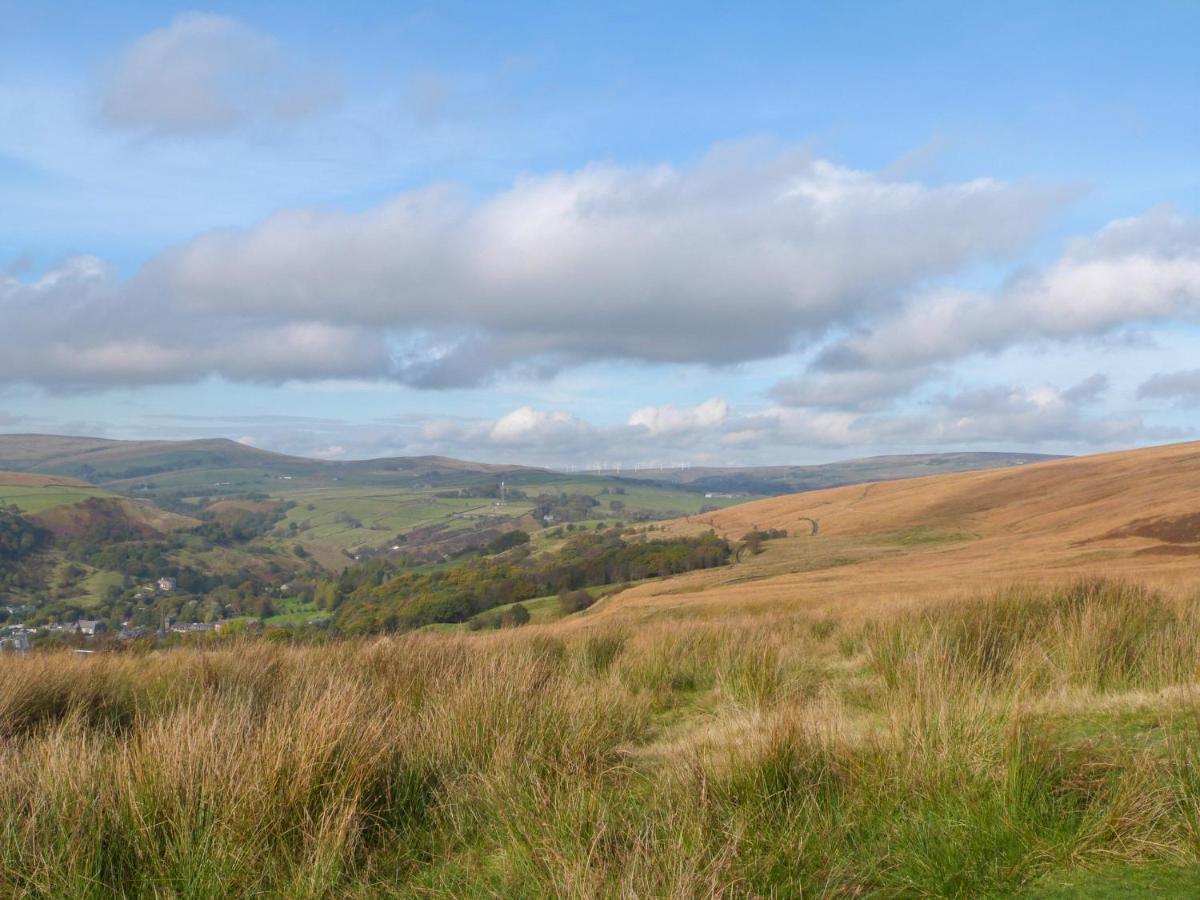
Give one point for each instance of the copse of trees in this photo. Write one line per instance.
(574, 601)
(20, 542)
(506, 541)
(18, 536)
(377, 596)
(244, 526)
(754, 540)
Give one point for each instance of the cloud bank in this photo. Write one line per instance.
(747, 254)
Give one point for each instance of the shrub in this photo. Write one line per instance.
(575, 601)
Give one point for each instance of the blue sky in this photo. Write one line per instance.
(629, 233)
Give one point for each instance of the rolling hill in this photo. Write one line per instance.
(1133, 514)
(340, 510)
(66, 506)
(218, 463)
(768, 480)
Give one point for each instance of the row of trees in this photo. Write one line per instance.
(376, 596)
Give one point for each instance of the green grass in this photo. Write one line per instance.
(383, 514)
(348, 517)
(1118, 883)
(293, 611)
(98, 583)
(33, 500)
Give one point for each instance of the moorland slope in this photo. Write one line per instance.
(1131, 514)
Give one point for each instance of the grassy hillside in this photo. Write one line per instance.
(1129, 514)
(1030, 743)
(33, 494)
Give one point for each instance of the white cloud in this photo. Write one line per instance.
(740, 257)
(856, 390)
(668, 419)
(527, 426)
(210, 73)
(1133, 271)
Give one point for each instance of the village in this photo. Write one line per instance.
(16, 637)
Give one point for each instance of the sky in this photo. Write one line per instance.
(620, 234)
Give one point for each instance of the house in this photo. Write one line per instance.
(90, 627)
(192, 628)
(16, 642)
(166, 585)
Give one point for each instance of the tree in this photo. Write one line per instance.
(574, 601)
(515, 616)
(506, 541)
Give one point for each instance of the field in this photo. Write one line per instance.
(352, 518)
(32, 494)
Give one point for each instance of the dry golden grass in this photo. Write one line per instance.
(895, 543)
(950, 751)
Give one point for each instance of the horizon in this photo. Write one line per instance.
(783, 235)
(566, 468)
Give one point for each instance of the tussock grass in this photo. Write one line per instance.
(727, 758)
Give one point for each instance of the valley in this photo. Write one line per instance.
(966, 684)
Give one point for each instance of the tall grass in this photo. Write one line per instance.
(735, 758)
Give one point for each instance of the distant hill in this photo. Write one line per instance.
(768, 480)
(219, 463)
(219, 466)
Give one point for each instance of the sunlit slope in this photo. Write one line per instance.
(1131, 514)
(68, 506)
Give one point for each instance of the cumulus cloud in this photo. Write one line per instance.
(526, 425)
(744, 255)
(669, 419)
(1053, 417)
(1134, 271)
(207, 73)
(1011, 415)
(78, 327)
(1182, 388)
(713, 433)
(856, 390)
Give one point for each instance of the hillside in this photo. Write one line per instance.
(213, 463)
(1132, 514)
(769, 480)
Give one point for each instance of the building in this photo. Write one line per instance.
(15, 642)
(166, 585)
(90, 627)
(192, 628)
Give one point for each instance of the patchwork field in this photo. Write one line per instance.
(351, 518)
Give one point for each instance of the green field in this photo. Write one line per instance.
(350, 518)
(33, 500)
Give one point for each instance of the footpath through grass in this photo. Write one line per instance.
(1041, 742)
